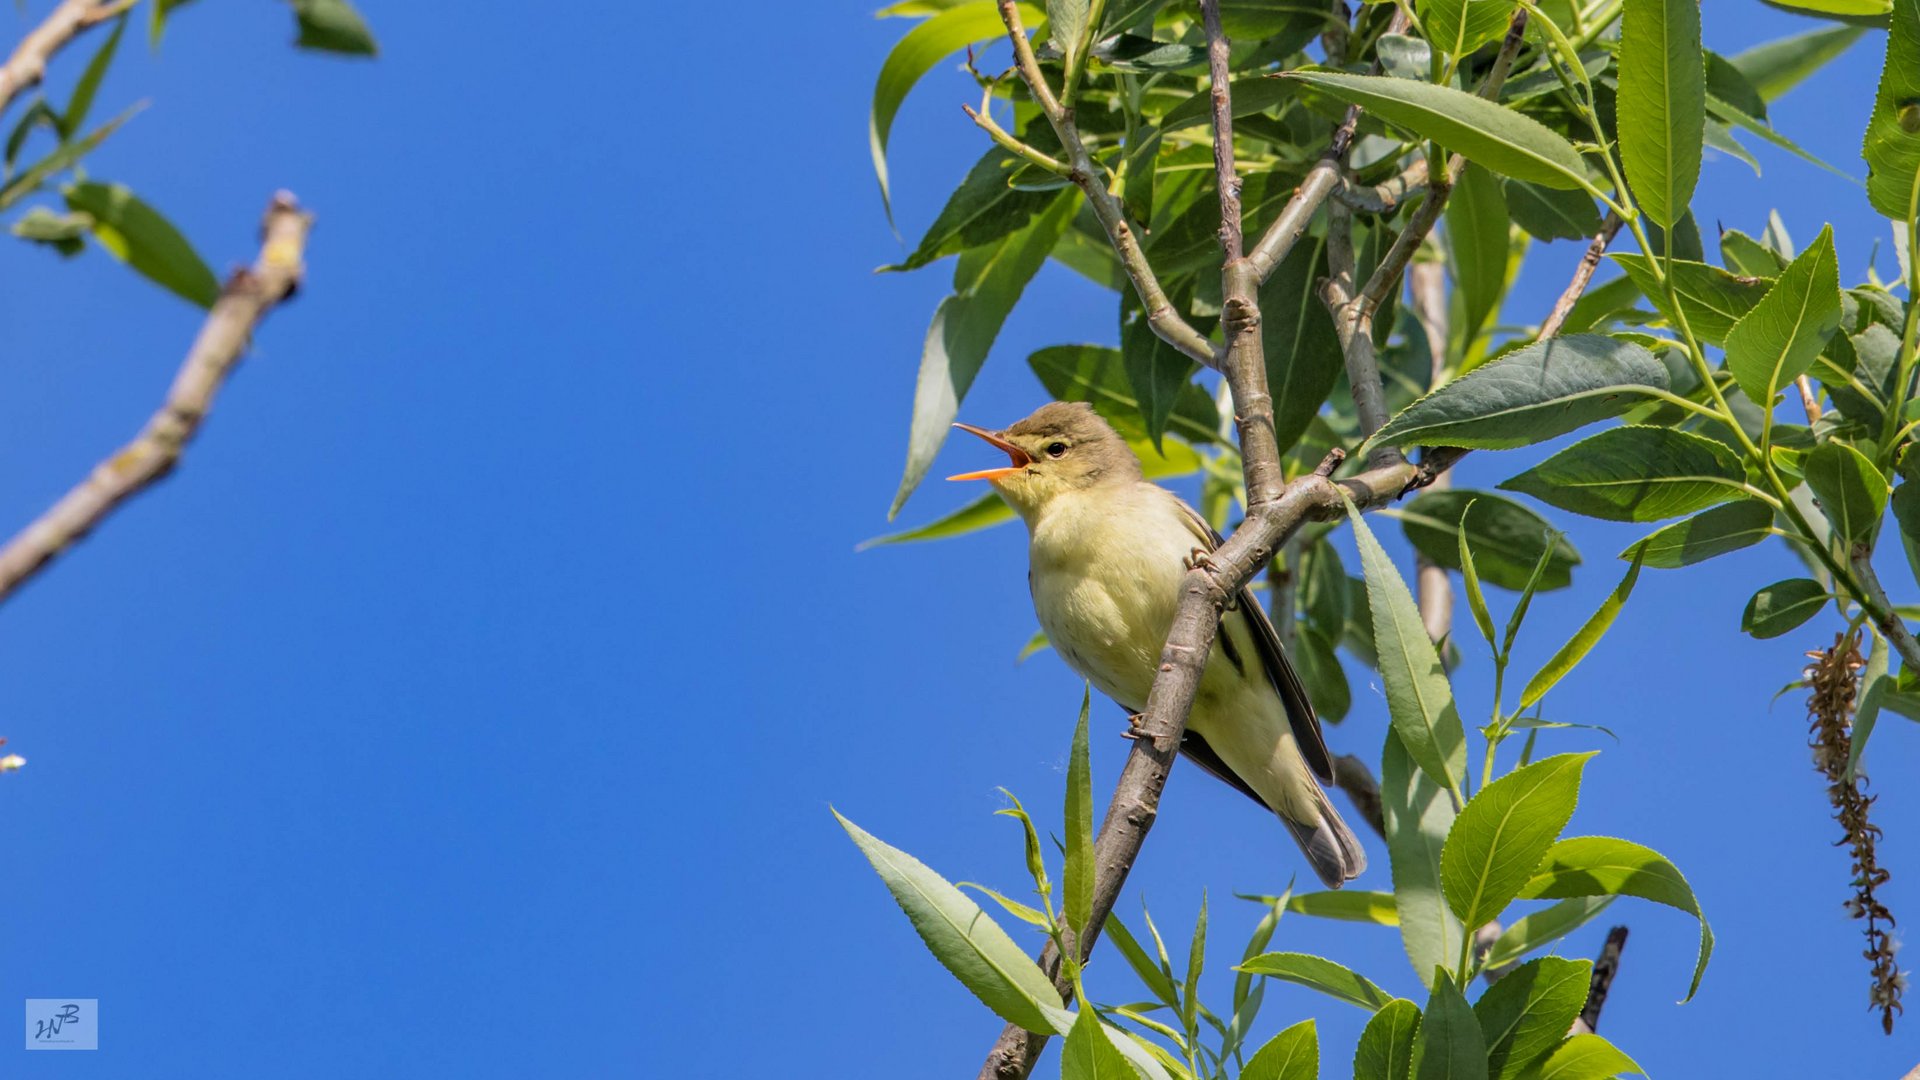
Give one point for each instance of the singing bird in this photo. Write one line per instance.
(1106, 553)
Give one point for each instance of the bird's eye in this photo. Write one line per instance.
(1058, 449)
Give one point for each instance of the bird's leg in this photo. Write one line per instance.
(1134, 723)
(1200, 557)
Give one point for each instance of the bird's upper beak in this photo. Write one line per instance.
(1020, 458)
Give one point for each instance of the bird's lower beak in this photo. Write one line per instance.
(1020, 458)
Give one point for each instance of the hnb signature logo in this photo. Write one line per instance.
(63, 1024)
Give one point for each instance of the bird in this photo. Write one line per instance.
(1106, 553)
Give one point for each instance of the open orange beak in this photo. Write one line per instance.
(1020, 458)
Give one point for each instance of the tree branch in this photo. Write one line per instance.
(1427, 287)
(248, 296)
(1880, 606)
(1351, 775)
(28, 64)
(1582, 274)
(1388, 196)
(1165, 320)
(1605, 967)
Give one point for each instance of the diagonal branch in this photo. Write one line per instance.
(1582, 274)
(28, 64)
(1162, 316)
(248, 296)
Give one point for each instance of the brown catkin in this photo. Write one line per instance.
(1834, 679)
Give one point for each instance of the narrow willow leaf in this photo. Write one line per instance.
(1025, 913)
(1543, 927)
(139, 236)
(1327, 687)
(1418, 814)
(914, 55)
(1348, 906)
(1067, 26)
(28, 180)
(1776, 342)
(1249, 989)
(1459, 27)
(1036, 863)
(1549, 215)
(1449, 1044)
(1196, 960)
(1477, 226)
(81, 101)
(1775, 67)
(1604, 866)
(1878, 684)
(961, 936)
(1519, 613)
(1386, 1043)
(1470, 578)
(984, 512)
(1507, 538)
(1492, 135)
(1636, 474)
(1294, 1054)
(1530, 395)
(1419, 699)
(1504, 832)
(1892, 146)
(1078, 872)
(1156, 979)
(1783, 605)
(1528, 1011)
(1706, 534)
(1320, 974)
(982, 210)
(1587, 1057)
(1662, 104)
(1712, 299)
(1850, 489)
(1160, 375)
(1088, 1054)
(1097, 375)
(987, 282)
(332, 26)
(1583, 640)
(1297, 336)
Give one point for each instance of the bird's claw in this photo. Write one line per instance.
(1134, 723)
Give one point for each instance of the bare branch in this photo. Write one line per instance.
(1605, 967)
(28, 64)
(1165, 320)
(1427, 288)
(1582, 274)
(1351, 775)
(248, 296)
(1880, 607)
(1385, 197)
(1809, 401)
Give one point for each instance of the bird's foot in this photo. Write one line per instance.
(1134, 722)
(1197, 558)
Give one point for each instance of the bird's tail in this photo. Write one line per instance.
(1329, 845)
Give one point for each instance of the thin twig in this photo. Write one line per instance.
(28, 64)
(1165, 320)
(1880, 607)
(248, 296)
(1809, 401)
(1605, 967)
(1427, 289)
(1582, 274)
(1351, 775)
(1387, 196)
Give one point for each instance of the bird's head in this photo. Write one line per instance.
(1063, 447)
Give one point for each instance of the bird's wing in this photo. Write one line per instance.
(1273, 659)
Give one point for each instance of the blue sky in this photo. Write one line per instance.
(471, 701)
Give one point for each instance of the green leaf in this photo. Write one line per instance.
(1294, 1054)
(982, 210)
(1604, 866)
(1530, 395)
(1783, 605)
(1418, 814)
(1077, 877)
(1320, 974)
(137, 235)
(1838, 9)
(1729, 84)
(1449, 1045)
(1161, 376)
(1131, 52)
(65, 233)
(1635, 474)
(1492, 135)
(1775, 67)
(987, 283)
(1547, 214)
(1704, 535)
(1507, 538)
(914, 55)
(1459, 27)
(1776, 342)
(1543, 927)
(1528, 1011)
(1470, 578)
(1745, 255)
(983, 512)
(28, 180)
(1582, 642)
(1089, 1054)
(84, 91)
(1320, 669)
(1712, 299)
(1015, 908)
(1878, 685)
(1156, 978)
(333, 26)
(1662, 104)
(1097, 375)
(1477, 225)
(1587, 1057)
(1297, 336)
(1067, 26)
(1851, 491)
(1419, 699)
(1348, 906)
(1504, 832)
(1892, 146)
(1196, 960)
(963, 938)
(1386, 1043)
